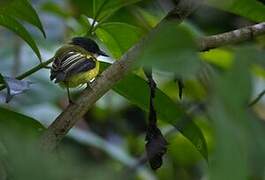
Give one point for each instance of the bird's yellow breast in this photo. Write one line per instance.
(81, 78)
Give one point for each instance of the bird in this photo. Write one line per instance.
(75, 63)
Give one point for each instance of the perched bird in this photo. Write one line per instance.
(76, 63)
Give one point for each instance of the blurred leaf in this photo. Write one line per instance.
(235, 129)
(85, 22)
(54, 8)
(182, 150)
(145, 16)
(22, 9)
(172, 49)
(220, 57)
(14, 86)
(13, 122)
(250, 9)
(118, 37)
(136, 90)
(12, 24)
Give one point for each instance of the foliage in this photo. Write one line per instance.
(211, 126)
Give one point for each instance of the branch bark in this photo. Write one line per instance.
(232, 37)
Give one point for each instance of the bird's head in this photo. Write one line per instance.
(89, 45)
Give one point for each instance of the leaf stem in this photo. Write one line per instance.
(91, 29)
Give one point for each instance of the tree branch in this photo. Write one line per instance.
(232, 37)
(68, 118)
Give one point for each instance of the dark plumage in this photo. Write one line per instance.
(88, 44)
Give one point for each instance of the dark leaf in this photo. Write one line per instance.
(22, 9)
(156, 147)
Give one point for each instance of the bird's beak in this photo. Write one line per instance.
(102, 53)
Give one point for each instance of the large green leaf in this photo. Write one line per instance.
(22, 9)
(136, 90)
(251, 9)
(118, 37)
(171, 48)
(12, 24)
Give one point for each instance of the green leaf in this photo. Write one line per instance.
(136, 90)
(220, 57)
(12, 24)
(11, 121)
(172, 48)
(251, 9)
(118, 37)
(111, 7)
(238, 134)
(101, 9)
(22, 9)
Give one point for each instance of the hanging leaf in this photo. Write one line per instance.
(167, 110)
(12, 24)
(22, 9)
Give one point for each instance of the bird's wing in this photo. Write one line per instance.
(69, 63)
(83, 64)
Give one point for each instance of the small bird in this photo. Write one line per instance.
(76, 63)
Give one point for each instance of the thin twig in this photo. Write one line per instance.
(257, 99)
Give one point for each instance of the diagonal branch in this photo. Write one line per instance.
(68, 118)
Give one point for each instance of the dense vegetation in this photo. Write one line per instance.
(173, 100)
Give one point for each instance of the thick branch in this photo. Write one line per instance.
(67, 119)
(236, 36)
